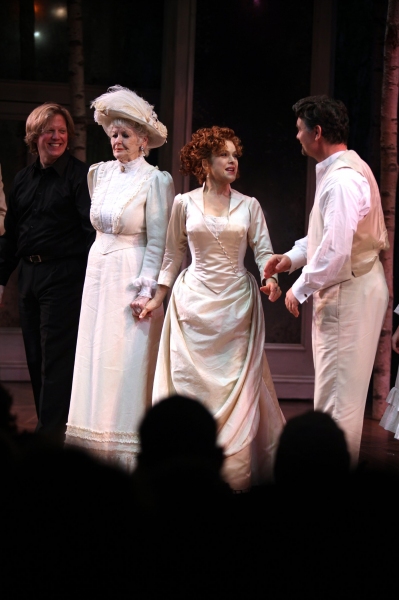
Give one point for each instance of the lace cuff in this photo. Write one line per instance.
(145, 287)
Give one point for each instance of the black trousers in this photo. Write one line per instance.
(50, 295)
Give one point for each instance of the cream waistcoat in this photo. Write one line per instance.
(371, 235)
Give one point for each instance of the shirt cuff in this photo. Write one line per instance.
(297, 259)
(301, 291)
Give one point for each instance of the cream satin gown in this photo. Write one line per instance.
(212, 343)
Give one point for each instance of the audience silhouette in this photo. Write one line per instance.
(174, 529)
(312, 450)
(179, 454)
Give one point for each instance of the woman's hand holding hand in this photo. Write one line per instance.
(138, 305)
(271, 289)
(149, 307)
(155, 302)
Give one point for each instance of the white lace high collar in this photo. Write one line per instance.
(132, 166)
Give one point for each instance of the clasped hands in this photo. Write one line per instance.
(279, 263)
(142, 306)
(138, 305)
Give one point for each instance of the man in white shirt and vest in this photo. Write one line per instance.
(341, 268)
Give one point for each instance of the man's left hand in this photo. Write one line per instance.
(292, 303)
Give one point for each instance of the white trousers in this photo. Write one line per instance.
(347, 321)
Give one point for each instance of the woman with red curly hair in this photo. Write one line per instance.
(213, 336)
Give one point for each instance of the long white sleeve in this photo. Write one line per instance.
(344, 201)
(298, 254)
(176, 244)
(258, 236)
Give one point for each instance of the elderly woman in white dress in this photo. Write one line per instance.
(116, 352)
(212, 345)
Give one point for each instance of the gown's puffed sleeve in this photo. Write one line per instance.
(258, 236)
(159, 200)
(176, 243)
(92, 177)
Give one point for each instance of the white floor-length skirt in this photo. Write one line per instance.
(115, 359)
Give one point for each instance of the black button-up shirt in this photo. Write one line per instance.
(48, 213)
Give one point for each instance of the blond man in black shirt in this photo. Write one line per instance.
(48, 233)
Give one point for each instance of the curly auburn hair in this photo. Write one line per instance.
(329, 113)
(205, 143)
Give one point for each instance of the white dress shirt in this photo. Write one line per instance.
(344, 199)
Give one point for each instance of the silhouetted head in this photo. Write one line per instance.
(312, 449)
(178, 427)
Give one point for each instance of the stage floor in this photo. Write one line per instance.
(379, 449)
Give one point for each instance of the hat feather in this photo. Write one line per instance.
(120, 102)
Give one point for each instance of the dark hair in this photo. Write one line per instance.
(330, 114)
(204, 143)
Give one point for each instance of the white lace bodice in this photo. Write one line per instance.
(130, 208)
(117, 187)
(117, 184)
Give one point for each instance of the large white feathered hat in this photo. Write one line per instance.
(122, 103)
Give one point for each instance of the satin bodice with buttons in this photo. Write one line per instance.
(217, 258)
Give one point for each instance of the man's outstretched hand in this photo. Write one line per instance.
(277, 264)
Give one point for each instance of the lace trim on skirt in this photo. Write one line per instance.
(120, 437)
(119, 448)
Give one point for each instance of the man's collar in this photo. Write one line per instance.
(329, 160)
(59, 165)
